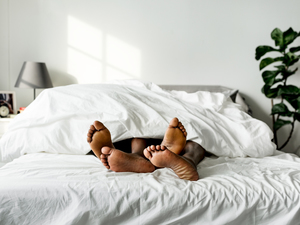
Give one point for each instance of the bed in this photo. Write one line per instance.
(47, 177)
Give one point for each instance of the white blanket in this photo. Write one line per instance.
(58, 120)
(48, 189)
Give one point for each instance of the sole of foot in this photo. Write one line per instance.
(175, 136)
(119, 161)
(162, 157)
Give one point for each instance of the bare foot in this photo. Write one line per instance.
(160, 156)
(175, 136)
(120, 161)
(98, 136)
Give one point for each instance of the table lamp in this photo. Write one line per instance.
(34, 75)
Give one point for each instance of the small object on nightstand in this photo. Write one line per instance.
(4, 111)
(21, 109)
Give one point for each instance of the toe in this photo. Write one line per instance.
(103, 158)
(106, 150)
(152, 147)
(98, 125)
(89, 139)
(174, 122)
(147, 153)
(92, 128)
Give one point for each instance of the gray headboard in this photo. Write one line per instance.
(233, 93)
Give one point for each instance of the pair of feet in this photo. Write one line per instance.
(159, 156)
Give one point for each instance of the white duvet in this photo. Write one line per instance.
(58, 120)
(57, 189)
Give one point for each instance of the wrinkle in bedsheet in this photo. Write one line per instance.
(82, 190)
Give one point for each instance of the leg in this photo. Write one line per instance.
(193, 152)
(138, 145)
(184, 166)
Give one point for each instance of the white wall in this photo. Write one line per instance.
(164, 41)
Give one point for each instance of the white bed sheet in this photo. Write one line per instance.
(43, 188)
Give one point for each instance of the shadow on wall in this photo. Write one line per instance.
(60, 78)
(257, 111)
(283, 134)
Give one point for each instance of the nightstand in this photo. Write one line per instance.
(4, 123)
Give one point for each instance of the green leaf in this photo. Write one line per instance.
(294, 100)
(291, 56)
(290, 59)
(281, 67)
(267, 61)
(295, 49)
(281, 109)
(269, 92)
(289, 36)
(262, 50)
(288, 89)
(288, 73)
(297, 116)
(279, 123)
(277, 36)
(269, 76)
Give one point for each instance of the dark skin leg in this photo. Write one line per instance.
(193, 152)
(161, 153)
(184, 165)
(138, 145)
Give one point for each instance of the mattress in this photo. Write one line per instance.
(45, 188)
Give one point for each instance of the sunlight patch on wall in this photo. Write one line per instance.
(85, 52)
(86, 69)
(115, 74)
(95, 57)
(85, 38)
(124, 57)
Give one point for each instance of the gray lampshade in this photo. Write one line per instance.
(34, 75)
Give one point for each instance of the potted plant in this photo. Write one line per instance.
(287, 111)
